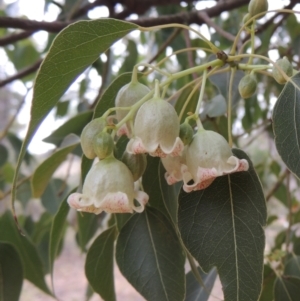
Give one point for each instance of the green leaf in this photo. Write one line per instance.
(55, 191)
(44, 172)
(268, 284)
(32, 264)
(100, 257)
(286, 124)
(222, 226)
(131, 58)
(151, 184)
(181, 101)
(56, 232)
(221, 81)
(292, 267)
(169, 194)
(107, 99)
(3, 155)
(87, 226)
(74, 125)
(62, 108)
(194, 291)
(11, 273)
(150, 256)
(73, 50)
(287, 288)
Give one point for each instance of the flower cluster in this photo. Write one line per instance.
(153, 128)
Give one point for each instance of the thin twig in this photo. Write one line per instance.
(24, 72)
(12, 38)
(227, 35)
(11, 121)
(277, 184)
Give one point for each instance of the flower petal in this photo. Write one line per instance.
(116, 202)
(142, 198)
(77, 201)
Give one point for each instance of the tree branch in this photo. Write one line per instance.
(182, 18)
(12, 38)
(22, 73)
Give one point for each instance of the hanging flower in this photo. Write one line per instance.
(127, 96)
(173, 167)
(109, 187)
(156, 130)
(209, 156)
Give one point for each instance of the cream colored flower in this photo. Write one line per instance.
(173, 167)
(108, 187)
(207, 157)
(156, 130)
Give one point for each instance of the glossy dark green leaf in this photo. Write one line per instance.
(121, 219)
(32, 264)
(73, 50)
(196, 292)
(45, 170)
(292, 267)
(74, 125)
(222, 226)
(87, 225)
(100, 258)
(57, 231)
(150, 256)
(11, 273)
(286, 124)
(151, 184)
(169, 194)
(268, 284)
(287, 288)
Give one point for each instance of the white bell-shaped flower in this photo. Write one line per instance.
(173, 167)
(109, 187)
(156, 130)
(207, 157)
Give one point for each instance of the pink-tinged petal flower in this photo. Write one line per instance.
(207, 157)
(173, 167)
(109, 187)
(156, 130)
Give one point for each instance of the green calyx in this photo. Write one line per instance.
(247, 86)
(286, 67)
(257, 6)
(103, 145)
(88, 135)
(186, 133)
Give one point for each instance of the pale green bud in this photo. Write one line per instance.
(186, 133)
(88, 135)
(257, 6)
(247, 86)
(286, 67)
(103, 145)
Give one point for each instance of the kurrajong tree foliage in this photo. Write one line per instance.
(180, 149)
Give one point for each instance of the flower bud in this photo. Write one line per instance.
(136, 164)
(186, 133)
(126, 97)
(247, 86)
(286, 67)
(103, 145)
(88, 135)
(246, 18)
(257, 6)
